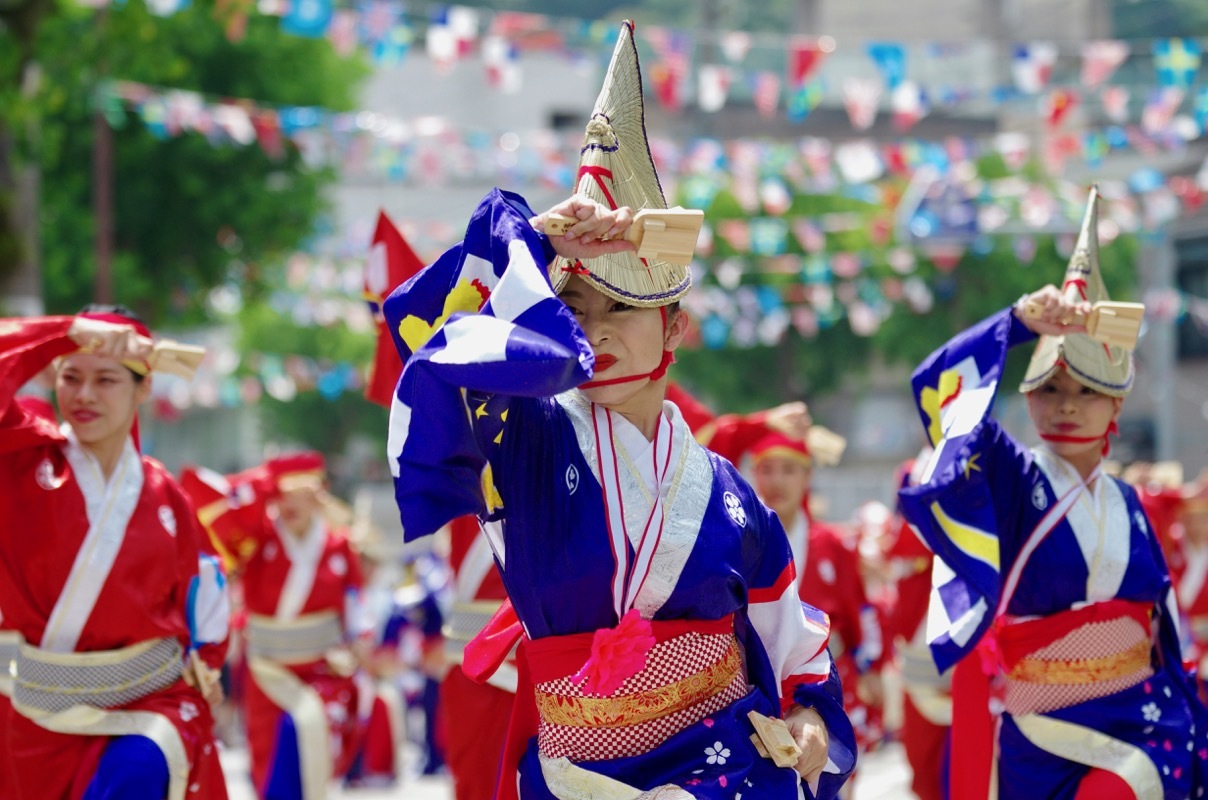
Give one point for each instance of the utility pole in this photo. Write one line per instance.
(102, 180)
(21, 291)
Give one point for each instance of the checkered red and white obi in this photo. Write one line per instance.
(686, 678)
(1065, 659)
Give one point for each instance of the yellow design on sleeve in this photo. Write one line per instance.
(465, 296)
(932, 401)
(971, 541)
(490, 495)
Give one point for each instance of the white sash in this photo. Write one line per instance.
(109, 508)
(303, 555)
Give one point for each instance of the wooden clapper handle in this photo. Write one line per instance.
(175, 358)
(660, 234)
(1115, 324)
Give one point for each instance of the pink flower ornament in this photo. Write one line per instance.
(617, 654)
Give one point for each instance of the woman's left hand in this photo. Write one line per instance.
(599, 230)
(809, 730)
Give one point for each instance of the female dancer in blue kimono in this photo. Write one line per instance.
(654, 590)
(1050, 591)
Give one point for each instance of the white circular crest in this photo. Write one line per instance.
(189, 711)
(1039, 498)
(338, 564)
(826, 571)
(45, 476)
(572, 479)
(734, 509)
(167, 519)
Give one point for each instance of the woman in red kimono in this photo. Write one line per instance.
(302, 585)
(113, 612)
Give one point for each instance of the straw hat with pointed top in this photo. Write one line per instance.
(1104, 368)
(616, 169)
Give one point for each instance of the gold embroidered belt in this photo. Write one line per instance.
(1083, 670)
(1065, 659)
(297, 641)
(641, 706)
(465, 621)
(53, 682)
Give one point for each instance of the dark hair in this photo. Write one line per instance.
(107, 308)
(121, 311)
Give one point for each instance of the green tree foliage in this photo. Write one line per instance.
(310, 417)
(188, 214)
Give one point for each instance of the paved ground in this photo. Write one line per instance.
(883, 775)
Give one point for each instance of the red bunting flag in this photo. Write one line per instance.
(391, 261)
(805, 57)
(1057, 104)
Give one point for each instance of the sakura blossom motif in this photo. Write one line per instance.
(717, 754)
(1151, 712)
(734, 509)
(188, 711)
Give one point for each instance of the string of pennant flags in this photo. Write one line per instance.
(435, 151)
(825, 290)
(779, 73)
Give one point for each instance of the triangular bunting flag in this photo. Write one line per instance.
(890, 58)
(1057, 105)
(805, 56)
(712, 87)
(1032, 66)
(735, 45)
(860, 98)
(908, 104)
(1100, 60)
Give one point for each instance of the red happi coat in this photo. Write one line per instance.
(827, 565)
(265, 558)
(473, 751)
(46, 504)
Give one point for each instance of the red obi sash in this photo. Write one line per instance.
(693, 668)
(1039, 665)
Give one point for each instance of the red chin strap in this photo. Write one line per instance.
(1112, 430)
(658, 372)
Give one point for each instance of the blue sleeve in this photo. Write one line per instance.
(827, 699)
(476, 328)
(965, 506)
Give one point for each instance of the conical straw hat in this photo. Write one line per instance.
(616, 169)
(1096, 365)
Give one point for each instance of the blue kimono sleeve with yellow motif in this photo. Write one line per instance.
(953, 508)
(481, 321)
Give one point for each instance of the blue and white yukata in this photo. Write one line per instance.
(486, 420)
(1057, 591)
